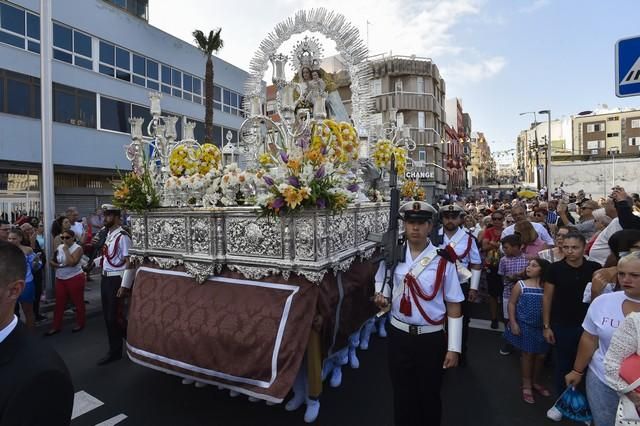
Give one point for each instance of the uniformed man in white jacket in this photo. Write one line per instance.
(424, 294)
(117, 278)
(463, 248)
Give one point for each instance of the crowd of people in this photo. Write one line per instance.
(562, 275)
(567, 274)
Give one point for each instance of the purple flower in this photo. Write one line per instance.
(293, 181)
(323, 151)
(303, 142)
(277, 203)
(320, 172)
(268, 180)
(284, 156)
(321, 203)
(354, 187)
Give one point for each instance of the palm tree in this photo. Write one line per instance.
(208, 46)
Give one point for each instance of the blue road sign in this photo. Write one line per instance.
(628, 67)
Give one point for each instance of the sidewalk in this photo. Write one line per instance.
(92, 302)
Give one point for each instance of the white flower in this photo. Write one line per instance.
(264, 199)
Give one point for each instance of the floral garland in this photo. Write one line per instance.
(187, 161)
(411, 191)
(381, 155)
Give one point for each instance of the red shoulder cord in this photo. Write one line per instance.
(110, 257)
(413, 291)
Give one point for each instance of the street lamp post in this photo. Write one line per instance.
(535, 132)
(547, 168)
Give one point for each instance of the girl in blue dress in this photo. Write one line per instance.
(524, 330)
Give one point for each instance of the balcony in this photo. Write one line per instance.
(408, 101)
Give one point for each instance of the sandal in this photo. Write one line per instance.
(542, 390)
(527, 396)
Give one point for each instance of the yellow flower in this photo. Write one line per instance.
(294, 165)
(314, 156)
(292, 197)
(265, 159)
(304, 192)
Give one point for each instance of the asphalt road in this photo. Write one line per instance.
(485, 392)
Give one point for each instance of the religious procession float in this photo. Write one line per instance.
(254, 268)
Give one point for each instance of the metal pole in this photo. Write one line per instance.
(613, 168)
(535, 132)
(47, 191)
(548, 168)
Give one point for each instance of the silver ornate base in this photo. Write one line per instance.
(309, 243)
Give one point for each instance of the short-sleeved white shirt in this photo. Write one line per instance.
(540, 229)
(124, 244)
(436, 308)
(462, 237)
(603, 318)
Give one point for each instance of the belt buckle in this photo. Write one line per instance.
(413, 330)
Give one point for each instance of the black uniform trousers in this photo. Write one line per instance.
(112, 311)
(415, 366)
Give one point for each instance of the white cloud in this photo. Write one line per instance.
(405, 27)
(534, 6)
(461, 72)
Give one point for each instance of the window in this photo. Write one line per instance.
(16, 24)
(217, 135)
(226, 100)
(33, 26)
(217, 97)
(198, 131)
(376, 87)
(634, 141)
(613, 135)
(399, 86)
(152, 69)
(139, 65)
(595, 128)
(19, 94)
(122, 58)
(114, 115)
(82, 44)
(141, 112)
(595, 144)
(635, 123)
(12, 19)
(18, 97)
(74, 106)
(400, 119)
(63, 43)
(616, 118)
(421, 120)
(420, 84)
(422, 155)
(166, 75)
(176, 78)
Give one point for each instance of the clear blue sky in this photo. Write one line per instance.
(502, 57)
(558, 56)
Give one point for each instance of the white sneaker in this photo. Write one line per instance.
(200, 385)
(187, 381)
(554, 414)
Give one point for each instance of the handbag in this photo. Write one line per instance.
(627, 414)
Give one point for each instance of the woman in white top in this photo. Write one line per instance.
(624, 343)
(604, 316)
(70, 281)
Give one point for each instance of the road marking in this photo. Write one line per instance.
(113, 420)
(83, 403)
(485, 325)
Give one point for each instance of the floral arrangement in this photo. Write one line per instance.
(314, 174)
(410, 190)
(135, 192)
(187, 161)
(381, 155)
